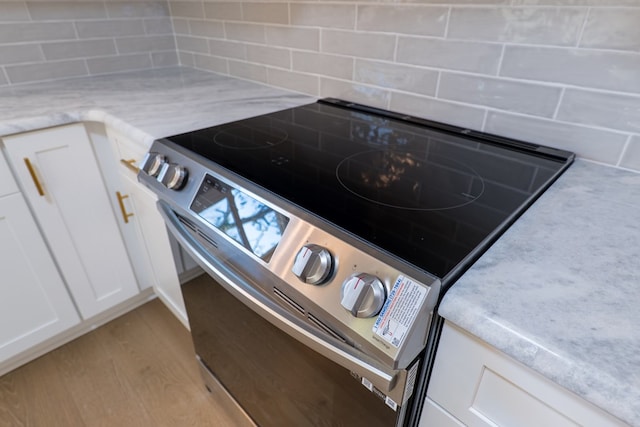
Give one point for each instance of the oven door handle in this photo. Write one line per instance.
(341, 353)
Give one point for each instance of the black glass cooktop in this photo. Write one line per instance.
(429, 193)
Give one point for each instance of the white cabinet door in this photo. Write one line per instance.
(62, 182)
(142, 226)
(34, 302)
(476, 385)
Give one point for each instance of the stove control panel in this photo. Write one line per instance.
(313, 264)
(172, 176)
(363, 295)
(152, 163)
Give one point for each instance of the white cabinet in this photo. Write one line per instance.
(474, 384)
(142, 226)
(60, 178)
(34, 302)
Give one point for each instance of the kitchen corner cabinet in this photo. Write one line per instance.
(142, 227)
(474, 384)
(60, 178)
(34, 302)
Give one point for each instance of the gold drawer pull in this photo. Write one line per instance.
(130, 164)
(123, 209)
(34, 177)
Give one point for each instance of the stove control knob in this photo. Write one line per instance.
(173, 176)
(363, 295)
(313, 264)
(152, 163)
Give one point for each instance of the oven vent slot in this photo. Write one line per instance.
(191, 226)
(186, 222)
(288, 300)
(320, 324)
(207, 239)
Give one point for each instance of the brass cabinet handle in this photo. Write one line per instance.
(130, 164)
(125, 215)
(34, 177)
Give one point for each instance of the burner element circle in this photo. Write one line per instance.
(410, 180)
(242, 137)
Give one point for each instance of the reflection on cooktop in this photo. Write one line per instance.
(410, 180)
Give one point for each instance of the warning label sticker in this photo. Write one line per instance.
(400, 310)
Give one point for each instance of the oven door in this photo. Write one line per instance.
(279, 369)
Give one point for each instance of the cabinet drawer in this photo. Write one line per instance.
(129, 153)
(7, 183)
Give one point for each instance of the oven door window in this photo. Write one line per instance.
(277, 380)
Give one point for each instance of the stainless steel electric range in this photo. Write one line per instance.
(330, 232)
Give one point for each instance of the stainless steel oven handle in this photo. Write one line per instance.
(343, 354)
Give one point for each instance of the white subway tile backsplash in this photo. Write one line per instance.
(114, 64)
(111, 28)
(576, 2)
(192, 44)
(272, 56)
(596, 144)
(145, 44)
(532, 25)
(223, 11)
(78, 49)
(246, 70)
(612, 29)
(396, 76)
(202, 28)
(20, 53)
(66, 10)
(228, 49)
(631, 157)
(180, 26)
(364, 45)
(462, 2)
(294, 37)
(502, 94)
(327, 15)
(435, 109)
(136, 9)
(186, 58)
(604, 109)
(187, 9)
(367, 95)
(35, 32)
(448, 54)
(13, 11)
(164, 59)
(45, 71)
(245, 32)
(319, 63)
(292, 80)
(157, 26)
(210, 63)
(273, 13)
(559, 72)
(581, 67)
(403, 19)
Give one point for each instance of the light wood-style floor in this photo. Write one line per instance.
(138, 370)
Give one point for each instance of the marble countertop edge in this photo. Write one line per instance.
(585, 380)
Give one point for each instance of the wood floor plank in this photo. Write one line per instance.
(12, 401)
(48, 401)
(138, 370)
(105, 399)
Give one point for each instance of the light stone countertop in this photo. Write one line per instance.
(144, 105)
(560, 291)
